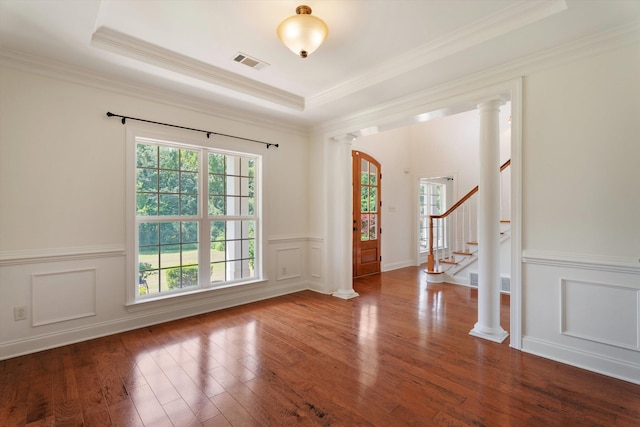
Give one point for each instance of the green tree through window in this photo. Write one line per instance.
(172, 217)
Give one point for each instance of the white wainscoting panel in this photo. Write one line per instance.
(316, 262)
(583, 310)
(63, 295)
(288, 263)
(603, 313)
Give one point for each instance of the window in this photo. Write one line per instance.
(431, 202)
(196, 218)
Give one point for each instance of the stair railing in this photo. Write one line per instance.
(433, 260)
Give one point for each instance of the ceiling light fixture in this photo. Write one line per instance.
(302, 33)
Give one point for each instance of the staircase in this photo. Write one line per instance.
(455, 260)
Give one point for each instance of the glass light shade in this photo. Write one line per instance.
(302, 33)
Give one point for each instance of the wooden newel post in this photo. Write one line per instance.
(430, 257)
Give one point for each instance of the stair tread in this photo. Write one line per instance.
(462, 252)
(475, 242)
(448, 261)
(506, 221)
(433, 272)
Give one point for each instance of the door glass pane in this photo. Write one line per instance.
(373, 175)
(364, 227)
(364, 199)
(364, 171)
(373, 235)
(373, 199)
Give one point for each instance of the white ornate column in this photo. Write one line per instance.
(338, 170)
(488, 325)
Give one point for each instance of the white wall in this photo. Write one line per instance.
(581, 228)
(581, 155)
(62, 209)
(392, 150)
(449, 146)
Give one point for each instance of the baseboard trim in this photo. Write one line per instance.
(397, 265)
(48, 341)
(598, 363)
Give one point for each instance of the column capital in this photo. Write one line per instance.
(492, 102)
(347, 138)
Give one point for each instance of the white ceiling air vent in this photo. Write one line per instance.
(249, 61)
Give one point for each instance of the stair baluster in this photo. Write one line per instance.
(433, 259)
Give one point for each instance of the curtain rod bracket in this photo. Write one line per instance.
(207, 132)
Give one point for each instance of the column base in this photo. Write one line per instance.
(346, 294)
(496, 335)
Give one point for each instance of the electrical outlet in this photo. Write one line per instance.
(19, 313)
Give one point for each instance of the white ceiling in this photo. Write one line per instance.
(377, 50)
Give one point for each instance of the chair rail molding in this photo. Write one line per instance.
(36, 256)
(582, 261)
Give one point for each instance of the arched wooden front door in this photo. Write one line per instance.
(366, 214)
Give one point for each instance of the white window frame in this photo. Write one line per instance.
(423, 219)
(135, 136)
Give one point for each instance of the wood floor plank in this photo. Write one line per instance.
(233, 411)
(40, 396)
(399, 354)
(68, 413)
(49, 421)
(217, 421)
(180, 414)
(158, 382)
(124, 413)
(149, 407)
(97, 416)
(15, 390)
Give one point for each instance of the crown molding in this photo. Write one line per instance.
(70, 73)
(432, 99)
(131, 47)
(506, 20)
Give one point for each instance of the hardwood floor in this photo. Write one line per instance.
(400, 354)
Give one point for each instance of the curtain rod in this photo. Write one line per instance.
(208, 132)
